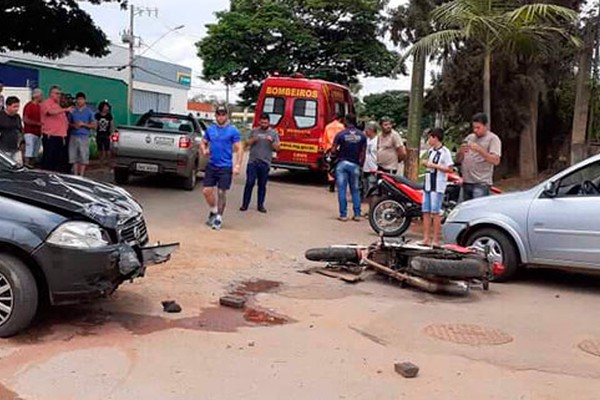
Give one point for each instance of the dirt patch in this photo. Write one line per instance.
(591, 347)
(473, 335)
(248, 288)
(6, 394)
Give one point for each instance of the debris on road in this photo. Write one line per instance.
(171, 306)
(232, 301)
(406, 369)
(251, 344)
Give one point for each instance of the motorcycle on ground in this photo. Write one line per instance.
(398, 200)
(449, 269)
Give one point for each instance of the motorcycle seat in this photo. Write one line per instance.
(407, 182)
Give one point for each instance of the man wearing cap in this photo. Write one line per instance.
(219, 143)
(262, 143)
(33, 126)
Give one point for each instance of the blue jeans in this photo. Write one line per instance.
(472, 191)
(348, 173)
(256, 171)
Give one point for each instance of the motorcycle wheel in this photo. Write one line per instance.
(465, 268)
(388, 216)
(340, 255)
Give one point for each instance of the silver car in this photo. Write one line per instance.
(160, 144)
(556, 224)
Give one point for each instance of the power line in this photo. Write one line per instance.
(58, 64)
(174, 81)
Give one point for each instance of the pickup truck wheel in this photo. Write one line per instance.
(501, 249)
(189, 182)
(121, 176)
(18, 296)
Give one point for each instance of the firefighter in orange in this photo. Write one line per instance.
(331, 131)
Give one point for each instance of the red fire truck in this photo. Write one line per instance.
(299, 110)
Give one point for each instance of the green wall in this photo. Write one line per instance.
(96, 88)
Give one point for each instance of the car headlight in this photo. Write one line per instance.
(452, 215)
(79, 235)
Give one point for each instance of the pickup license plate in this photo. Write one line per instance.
(164, 141)
(143, 167)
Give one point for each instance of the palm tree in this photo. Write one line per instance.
(497, 25)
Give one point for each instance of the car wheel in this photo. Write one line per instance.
(121, 176)
(388, 216)
(18, 296)
(189, 182)
(501, 250)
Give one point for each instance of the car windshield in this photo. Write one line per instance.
(168, 123)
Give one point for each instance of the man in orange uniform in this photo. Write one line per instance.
(331, 131)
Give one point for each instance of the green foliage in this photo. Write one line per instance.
(392, 104)
(334, 40)
(51, 28)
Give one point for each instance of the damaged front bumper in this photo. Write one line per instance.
(75, 275)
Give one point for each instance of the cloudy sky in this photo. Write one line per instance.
(178, 46)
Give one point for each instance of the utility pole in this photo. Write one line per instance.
(130, 69)
(129, 38)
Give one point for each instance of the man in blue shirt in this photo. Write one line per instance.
(349, 148)
(219, 142)
(81, 121)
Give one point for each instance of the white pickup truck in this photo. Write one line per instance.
(160, 143)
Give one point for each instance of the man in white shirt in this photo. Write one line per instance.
(439, 163)
(370, 165)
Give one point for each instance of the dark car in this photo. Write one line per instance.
(65, 239)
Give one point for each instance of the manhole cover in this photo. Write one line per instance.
(591, 347)
(473, 335)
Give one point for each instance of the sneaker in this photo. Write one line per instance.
(243, 208)
(356, 219)
(262, 210)
(217, 225)
(211, 218)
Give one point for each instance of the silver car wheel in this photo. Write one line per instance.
(6, 299)
(494, 248)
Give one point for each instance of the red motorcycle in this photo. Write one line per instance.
(399, 201)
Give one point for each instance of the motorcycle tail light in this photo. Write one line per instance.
(499, 268)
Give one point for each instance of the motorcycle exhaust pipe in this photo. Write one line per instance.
(452, 287)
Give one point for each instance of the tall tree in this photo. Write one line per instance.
(51, 28)
(584, 86)
(410, 23)
(496, 25)
(331, 39)
(392, 104)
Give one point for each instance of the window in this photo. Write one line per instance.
(305, 113)
(341, 108)
(167, 123)
(275, 107)
(583, 182)
(144, 101)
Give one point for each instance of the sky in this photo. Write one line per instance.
(178, 46)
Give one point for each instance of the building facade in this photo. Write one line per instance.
(157, 85)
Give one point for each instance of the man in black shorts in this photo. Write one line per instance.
(219, 142)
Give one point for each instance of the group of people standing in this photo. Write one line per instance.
(370, 152)
(360, 155)
(61, 130)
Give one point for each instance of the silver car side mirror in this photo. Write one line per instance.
(550, 189)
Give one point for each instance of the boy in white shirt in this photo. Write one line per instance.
(439, 163)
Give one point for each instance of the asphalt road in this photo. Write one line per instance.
(303, 336)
